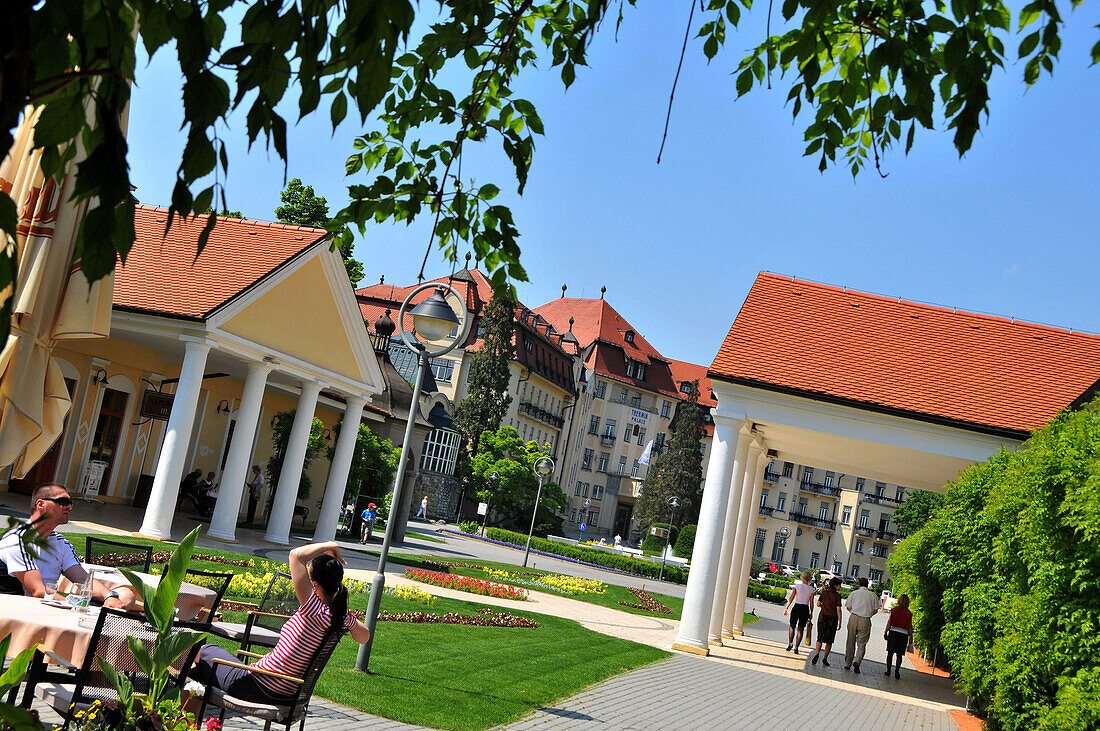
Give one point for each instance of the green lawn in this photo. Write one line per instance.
(457, 676)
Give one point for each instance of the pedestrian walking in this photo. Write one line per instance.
(862, 605)
(368, 516)
(828, 620)
(898, 634)
(802, 599)
(423, 512)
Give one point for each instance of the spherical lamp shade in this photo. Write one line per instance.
(433, 318)
(544, 466)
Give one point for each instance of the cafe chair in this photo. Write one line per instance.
(110, 641)
(265, 633)
(216, 580)
(105, 552)
(295, 708)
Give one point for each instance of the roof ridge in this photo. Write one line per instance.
(946, 309)
(252, 221)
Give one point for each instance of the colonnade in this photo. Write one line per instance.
(714, 603)
(169, 472)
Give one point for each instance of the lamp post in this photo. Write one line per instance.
(544, 466)
(433, 320)
(494, 477)
(673, 506)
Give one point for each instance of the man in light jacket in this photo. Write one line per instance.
(862, 604)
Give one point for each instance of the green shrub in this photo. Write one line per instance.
(767, 593)
(596, 556)
(655, 545)
(685, 542)
(1003, 578)
(469, 526)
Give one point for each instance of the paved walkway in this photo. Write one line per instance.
(753, 683)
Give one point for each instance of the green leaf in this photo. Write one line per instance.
(120, 683)
(339, 109)
(1096, 53)
(17, 668)
(18, 719)
(710, 48)
(1028, 44)
(568, 74)
(744, 82)
(488, 192)
(142, 657)
(170, 648)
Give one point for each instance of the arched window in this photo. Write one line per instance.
(440, 451)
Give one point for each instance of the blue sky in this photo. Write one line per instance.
(1011, 229)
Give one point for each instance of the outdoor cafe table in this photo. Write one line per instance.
(190, 600)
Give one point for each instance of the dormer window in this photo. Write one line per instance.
(685, 387)
(628, 336)
(634, 369)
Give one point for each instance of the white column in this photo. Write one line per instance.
(166, 485)
(286, 493)
(699, 596)
(742, 583)
(742, 545)
(337, 482)
(224, 523)
(721, 587)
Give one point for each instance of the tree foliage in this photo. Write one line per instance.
(280, 438)
(487, 396)
(302, 207)
(678, 471)
(916, 510)
(1004, 578)
(373, 463)
(870, 72)
(511, 496)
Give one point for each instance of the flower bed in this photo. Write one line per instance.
(466, 583)
(411, 593)
(646, 602)
(485, 617)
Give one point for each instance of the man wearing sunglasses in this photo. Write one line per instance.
(36, 567)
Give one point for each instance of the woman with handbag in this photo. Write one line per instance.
(898, 635)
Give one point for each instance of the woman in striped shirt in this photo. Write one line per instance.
(317, 571)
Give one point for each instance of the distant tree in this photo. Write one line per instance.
(373, 464)
(223, 213)
(487, 397)
(280, 437)
(679, 471)
(916, 510)
(511, 496)
(302, 207)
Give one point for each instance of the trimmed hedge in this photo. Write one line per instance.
(594, 556)
(767, 593)
(655, 545)
(685, 542)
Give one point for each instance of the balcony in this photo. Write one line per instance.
(865, 530)
(880, 500)
(812, 521)
(765, 510)
(540, 414)
(771, 476)
(886, 535)
(827, 490)
(607, 439)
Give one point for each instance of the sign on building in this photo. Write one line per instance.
(639, 416)
(156, 405)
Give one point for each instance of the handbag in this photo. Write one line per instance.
(911, 647)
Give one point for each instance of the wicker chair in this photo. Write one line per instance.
(265, 631)
(296, 706)
(211, 577)
(116, 553)
(109, 640)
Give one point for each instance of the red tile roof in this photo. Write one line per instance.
(477, 290)
(892, 355)
(683, 372)
(162, 275)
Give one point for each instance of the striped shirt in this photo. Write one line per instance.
(298, 640)
(58, 557)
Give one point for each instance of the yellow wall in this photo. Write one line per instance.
(300, 318)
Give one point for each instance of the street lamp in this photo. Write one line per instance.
(433, 320)
(673, 506)
(544, 466)
(494, 478)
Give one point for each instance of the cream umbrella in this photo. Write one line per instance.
(52, 302)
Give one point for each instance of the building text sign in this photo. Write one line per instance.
(156, 405)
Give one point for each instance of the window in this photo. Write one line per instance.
(622, 465)
(823, 511)
(685, 387)
(807, 475)
(659, 443)
(641, 436)
(587, 463)
(627, 433)
(609, 428)
(597, 492)
(875, 575)
(580, 518)
(900, 494)
(629, 368)
(860, 482)
(527, 345)
(636, 400)
(628, 336)
(601, 387)
(880, 489)
(573, 515)
(803, 505)
(440, 451)
(884, 522)
(577, 489)
(442, 369)
(815, 560)
(758, 543)
(829, 476)
(594, 425)
(640, 374)
(634, 470)
(585, 490)
(838, 567)
(594, 516)
(847, 516)
(622, 395)
(859, 546)
(864, 518)
(764, 499)
(665, 406)
(855, 572)
(788, 469)
(794, 557)
(781, 503)
(524, 433)
(778, 548)
(604, 457)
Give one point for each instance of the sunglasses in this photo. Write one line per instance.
(65, 502)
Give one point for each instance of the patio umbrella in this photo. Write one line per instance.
(53, 301)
